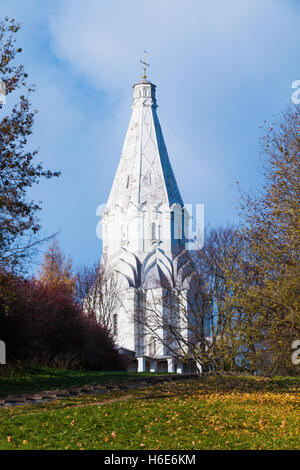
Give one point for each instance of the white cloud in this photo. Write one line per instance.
(219, 68)
(207, 58)
(104, 40)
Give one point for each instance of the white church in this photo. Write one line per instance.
(144, 231)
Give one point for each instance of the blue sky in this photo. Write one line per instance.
(221, 70)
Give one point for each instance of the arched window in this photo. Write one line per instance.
(115, 324)
(2, 353)
(153, 231)
(124, 232)
(152, 346)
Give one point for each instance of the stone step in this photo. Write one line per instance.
(131, 383)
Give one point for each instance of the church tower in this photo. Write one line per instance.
(144, 232)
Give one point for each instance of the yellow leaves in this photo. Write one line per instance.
(55, 269)
(226, 414)
(261, 423)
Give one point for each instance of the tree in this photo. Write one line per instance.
(99, 292)
(216, 264)
(56, 270)
(199, 322)
(18, 171)
(267, 281)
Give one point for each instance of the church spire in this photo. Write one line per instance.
(144, 174)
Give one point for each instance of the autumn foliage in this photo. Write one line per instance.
(56, 270)
(19, 170)
(266, 278)
(42, 325)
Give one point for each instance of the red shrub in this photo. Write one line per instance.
(43, 326)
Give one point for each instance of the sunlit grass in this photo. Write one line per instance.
(212, 413)
(38, 379)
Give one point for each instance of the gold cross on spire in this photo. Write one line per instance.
(145, 65)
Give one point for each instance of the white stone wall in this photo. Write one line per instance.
(126, 327)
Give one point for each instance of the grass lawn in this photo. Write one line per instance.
(36, 379)
(209, 413)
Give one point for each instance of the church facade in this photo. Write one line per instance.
(144, 231)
